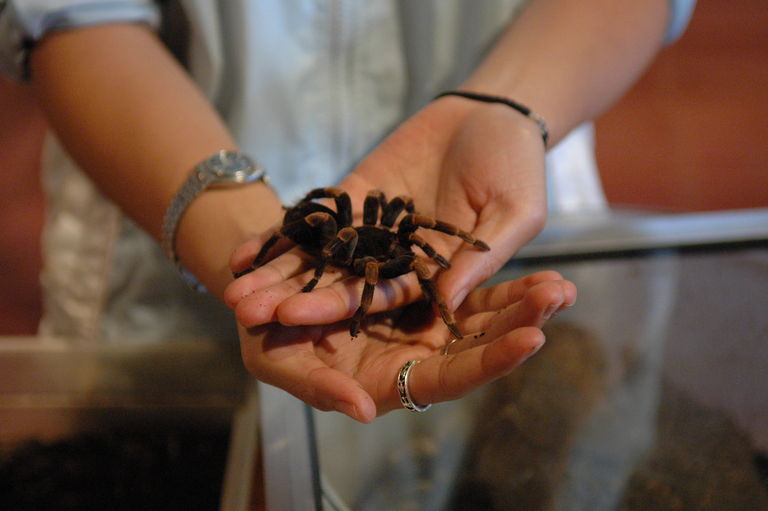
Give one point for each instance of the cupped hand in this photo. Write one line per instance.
(478, 166)
(328, 369)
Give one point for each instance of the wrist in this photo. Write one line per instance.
(501, 100)
(222, 170)
(216, 223)
(478, 115)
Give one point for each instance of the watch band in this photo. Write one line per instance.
(191, 188)
(209, 173)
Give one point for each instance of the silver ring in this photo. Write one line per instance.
(402, 388)
(448, 346)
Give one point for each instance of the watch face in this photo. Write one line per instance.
(230, 166)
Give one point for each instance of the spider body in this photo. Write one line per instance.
(375, 250)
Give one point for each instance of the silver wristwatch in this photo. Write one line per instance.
(222, 170)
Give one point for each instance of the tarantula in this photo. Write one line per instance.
(370, 251)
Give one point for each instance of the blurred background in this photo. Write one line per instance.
(692, 135)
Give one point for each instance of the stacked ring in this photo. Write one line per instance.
(448, 346)
(402, 388)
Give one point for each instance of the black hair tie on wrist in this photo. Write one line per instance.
(487, 98)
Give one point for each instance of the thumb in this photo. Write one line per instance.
(505, 231)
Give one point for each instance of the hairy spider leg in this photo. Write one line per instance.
(370, 268)
(373, 271)
(259, 259)
(374, 201)
(295, 223)
(323, 222)
(431, 252)
(411, 222)
(341, 248)
(434, 296)
(393, 209)
(340, 197)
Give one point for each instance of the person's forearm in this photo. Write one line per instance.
(134, 121)
(569, 61)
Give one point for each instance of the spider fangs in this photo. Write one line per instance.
(373, 250)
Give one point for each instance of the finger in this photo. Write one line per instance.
(279, 357)
(443, 378)
(537, 305)
(326, 389)
(505, 231)
(340, 300)
(243, 256)
(262, 306)
(501, 295)
(291, 264)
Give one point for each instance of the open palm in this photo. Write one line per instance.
(480, 168)
(327, 368)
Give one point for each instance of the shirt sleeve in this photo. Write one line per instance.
(24, 22)
(680, 14)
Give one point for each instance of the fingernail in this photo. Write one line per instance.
(347, 409)
(533, 351)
